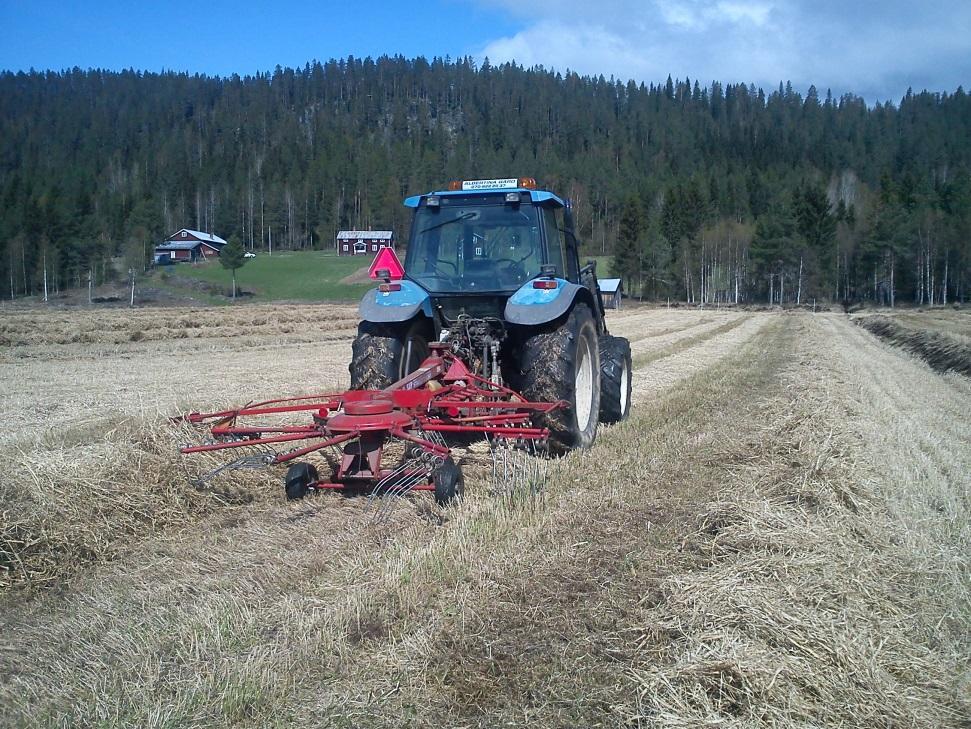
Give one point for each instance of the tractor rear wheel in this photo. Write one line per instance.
(615, 379)
(564, 364)
(384, 353)
(298, 480)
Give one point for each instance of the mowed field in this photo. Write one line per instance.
(778, 536)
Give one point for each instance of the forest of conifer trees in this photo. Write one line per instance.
(702, 193)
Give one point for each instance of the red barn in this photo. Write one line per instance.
(189, 245)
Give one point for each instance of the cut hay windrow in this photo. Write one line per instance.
(72, 505)
(941, 351)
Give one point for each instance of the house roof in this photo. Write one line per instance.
(610, 285)
(205, 237)
(365, 235)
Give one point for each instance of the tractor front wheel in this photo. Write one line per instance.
(564, 364)
(615, 379)
(384, 353)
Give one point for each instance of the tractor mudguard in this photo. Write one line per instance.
(531, 306)
(392, 306)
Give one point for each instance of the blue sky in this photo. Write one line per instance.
(873, 48)
(243, 36)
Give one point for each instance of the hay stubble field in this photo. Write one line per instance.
(779, 536)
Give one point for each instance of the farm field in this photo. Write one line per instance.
(778, 536)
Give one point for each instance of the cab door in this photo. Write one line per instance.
(558, 252)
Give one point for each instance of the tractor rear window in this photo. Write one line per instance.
(475, 247)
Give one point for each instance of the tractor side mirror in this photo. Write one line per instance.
(568, 216)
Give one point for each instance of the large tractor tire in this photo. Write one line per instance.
(564, 364)
(384, 353)
(615, 379)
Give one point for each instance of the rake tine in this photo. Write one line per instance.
(259, 460)
(381, 487)
(394, 494)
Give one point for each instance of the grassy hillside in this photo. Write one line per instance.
(291, 275)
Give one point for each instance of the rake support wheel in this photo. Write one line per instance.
(449, 482)
(298, 480)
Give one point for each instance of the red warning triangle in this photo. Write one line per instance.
(387, 260)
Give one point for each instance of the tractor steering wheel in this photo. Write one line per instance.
(514, 269)
(509, 260)
(434, 265)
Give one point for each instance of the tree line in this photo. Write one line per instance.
(703, 193)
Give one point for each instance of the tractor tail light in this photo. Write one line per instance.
(544, 284)
(387, 288)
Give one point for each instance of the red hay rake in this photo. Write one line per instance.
(441, 401)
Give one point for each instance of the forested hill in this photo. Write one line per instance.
(715, 192)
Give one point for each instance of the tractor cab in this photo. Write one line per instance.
(488, 236)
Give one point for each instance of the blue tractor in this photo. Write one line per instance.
(492, 269)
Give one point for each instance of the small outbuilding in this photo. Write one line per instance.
(363, 242)
(611, 291)
(187, 245)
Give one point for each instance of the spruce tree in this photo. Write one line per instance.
(627, 253)
(233, 257)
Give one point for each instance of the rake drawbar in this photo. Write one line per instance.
(441, 401)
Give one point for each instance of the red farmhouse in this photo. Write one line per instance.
(363, 242)
(189, 245)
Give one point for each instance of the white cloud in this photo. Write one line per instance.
(757, 13)
(679, 14)
(876, 49)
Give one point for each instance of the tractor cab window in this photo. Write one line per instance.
(475, 245)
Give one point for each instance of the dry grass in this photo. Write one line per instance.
(684, 340)
(811, 609)
(92, 462)
(68, 504)
(942, 350)
(82, 333)
(745, 551)
(953, 320)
